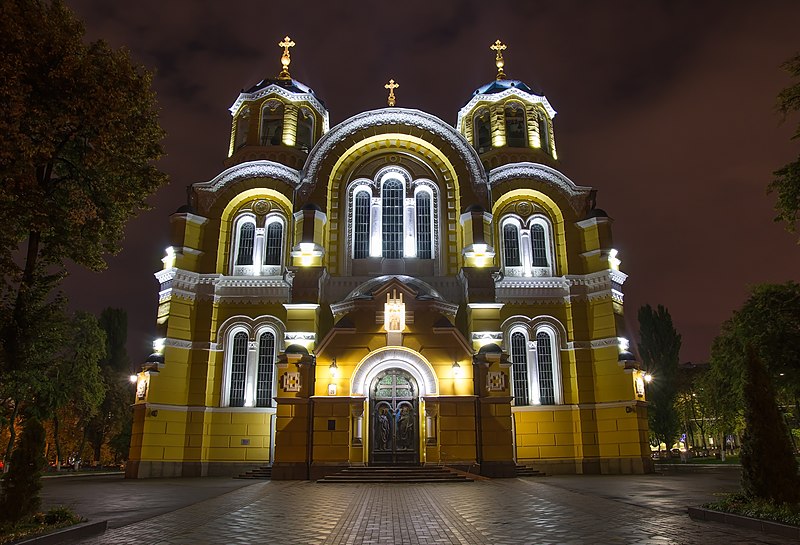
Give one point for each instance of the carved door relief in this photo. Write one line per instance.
(394, 420)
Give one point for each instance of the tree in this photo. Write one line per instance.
(787, 179)
(80, 138)
(769, 469)
(74, 380)
(659, 349)
(21, 485)
(113, 417)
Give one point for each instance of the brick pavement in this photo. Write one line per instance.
(497, 512)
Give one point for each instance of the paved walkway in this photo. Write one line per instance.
(552, 510)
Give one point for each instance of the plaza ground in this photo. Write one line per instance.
(629, 509)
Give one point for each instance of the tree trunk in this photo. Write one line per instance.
(57, 442)
(12, 436)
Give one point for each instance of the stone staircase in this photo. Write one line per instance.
(396, 474)
(263, 473)
(528, 471)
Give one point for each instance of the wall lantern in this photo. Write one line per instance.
(334, 369)
(456, 369)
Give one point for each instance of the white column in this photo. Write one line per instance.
(376, 228)
(251, 374)
(409, 228)
(258, 251)
(525, 251)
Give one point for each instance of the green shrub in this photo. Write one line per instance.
(740, 504)
(61, 515)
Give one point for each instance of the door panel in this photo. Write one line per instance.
(394, 422)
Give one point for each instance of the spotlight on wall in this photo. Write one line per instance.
(134, 378)
(334, 369)
(648, 378)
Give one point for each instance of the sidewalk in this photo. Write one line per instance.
(551, 510)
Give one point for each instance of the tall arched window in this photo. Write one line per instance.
(242, 127)
(482, 128)
(361, 225)
(516, 133)
(266, 370)
(238, 369)
(511, 245)
(272, 123)
(305, 129)
(246, 240)
(423, 212)
(544, 133)
(274, 243)
(392, 212)
(544, 363)
(519, 368)
(539, 246)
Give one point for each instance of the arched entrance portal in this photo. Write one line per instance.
(394, 418)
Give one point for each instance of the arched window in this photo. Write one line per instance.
(274, 243)
(481, 126)
(539, 246)
(516, 133)
(511, 245)
(242, 127)
(423, 212)
(245, 243)
(392, 213)
(266, 370)
(545, 367)
(272, 123)
(544, 133)
(361, 224)
(519, 368)
(305, 129)
(238, 370)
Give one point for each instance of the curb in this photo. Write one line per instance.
(766, 526)
(77, 531)
(71, 474)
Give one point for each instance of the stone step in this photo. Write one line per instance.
(262, 473)
(384, 474)
(528, 471)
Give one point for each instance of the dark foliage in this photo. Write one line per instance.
(20, 490)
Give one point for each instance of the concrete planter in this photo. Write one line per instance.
(699, 513)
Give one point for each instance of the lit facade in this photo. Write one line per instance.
(390, 290)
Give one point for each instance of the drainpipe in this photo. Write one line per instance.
(310, 442)
(476, 385)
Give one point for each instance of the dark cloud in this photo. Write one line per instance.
(667, 108)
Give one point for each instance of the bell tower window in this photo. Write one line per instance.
(544, 133)
(242, 127)
(423, 212)
(361, 225)
(482, 129)
(515, 126)
(272, 123)
(305, 129)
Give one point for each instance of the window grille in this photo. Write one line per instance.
(519, 368)
(393, 219)
(305, 129)
(266, 370)
(361, 225)
(511, 245)
(544, 134)
(272, 124)
(272, 255)
(423, 225)
(544, 357)
(242, 127)
(538, 245)
(482, 129)
(247, 235)
(238, 369)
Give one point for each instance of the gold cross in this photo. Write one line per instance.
(285, 59)
(498, 61)
(391, 86)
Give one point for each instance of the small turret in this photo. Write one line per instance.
(278, 119)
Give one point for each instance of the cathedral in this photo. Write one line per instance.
(393, 290)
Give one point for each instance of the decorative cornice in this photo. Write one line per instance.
(291, 97)
(251, 169)
(576, 194)
(393, 116)
(503, 95)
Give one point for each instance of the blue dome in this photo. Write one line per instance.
(500, 85)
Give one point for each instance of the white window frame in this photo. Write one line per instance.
(544, 222)
(532, 361)
(258, 268)
(251, 370)
(269, 105)
(515, 270)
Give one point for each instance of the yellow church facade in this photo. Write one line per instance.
(392, 290)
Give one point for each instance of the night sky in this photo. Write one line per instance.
(667, 108)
